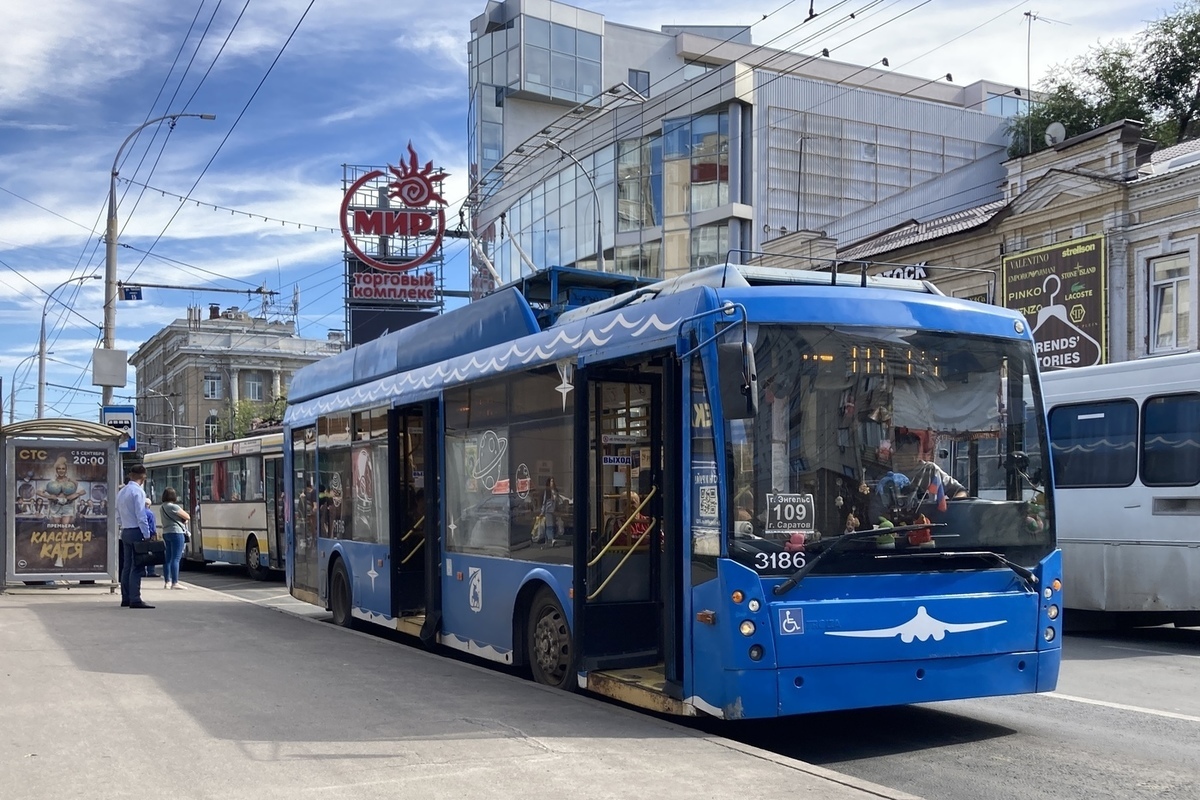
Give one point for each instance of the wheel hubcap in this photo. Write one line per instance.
(551, 644)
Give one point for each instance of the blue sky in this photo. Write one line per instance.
(356, 82)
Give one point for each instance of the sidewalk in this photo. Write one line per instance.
(210, 697)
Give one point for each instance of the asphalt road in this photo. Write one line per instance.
(1124, 723)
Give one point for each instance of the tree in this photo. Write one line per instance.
(1154, 79)
(1171, 59)
(1095, 89)
(251, 415)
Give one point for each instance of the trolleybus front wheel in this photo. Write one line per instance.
(254, 561)
(339, 596)
(550, 647)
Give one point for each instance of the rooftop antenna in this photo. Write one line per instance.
(1030, 16)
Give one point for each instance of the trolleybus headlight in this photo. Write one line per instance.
(756, 652)
(1048, 634)
(747, 628)
(754, 605)
(1052, 612)
(1047, 593)
(737, 596)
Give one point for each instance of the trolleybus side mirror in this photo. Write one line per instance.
(738, 379)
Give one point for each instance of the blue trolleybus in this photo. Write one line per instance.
(743, 493)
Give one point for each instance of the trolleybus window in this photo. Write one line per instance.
(504, 440)
(856, 429)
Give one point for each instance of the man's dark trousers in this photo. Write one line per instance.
(131, 577)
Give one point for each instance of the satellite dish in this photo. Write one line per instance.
(1055, 133)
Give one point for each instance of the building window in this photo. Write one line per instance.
(1170, 302)
(212, 429)
(212, 386)
(254, 387)
(639, 81)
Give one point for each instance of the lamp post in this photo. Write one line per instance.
(171, 405)
(12, 389)
(41, 401)
(110, 260)
(596, 198)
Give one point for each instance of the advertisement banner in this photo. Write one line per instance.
(59, 508)
(1061, 291)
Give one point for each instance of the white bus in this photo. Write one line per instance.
(1125, 447)
(234, 492)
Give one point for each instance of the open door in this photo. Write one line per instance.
(408, 502)
(620, 614)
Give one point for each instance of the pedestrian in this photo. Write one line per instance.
(131, 518)
(552, 501)
(153, 523)
(175, 522)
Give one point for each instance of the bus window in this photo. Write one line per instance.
(1170, 450)
(206, 481)
(1094, 444)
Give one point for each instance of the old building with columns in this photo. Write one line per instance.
(201, 379)
(1095, 240)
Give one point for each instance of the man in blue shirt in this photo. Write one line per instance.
(131, 517)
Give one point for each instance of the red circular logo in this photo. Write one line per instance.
(414, 187)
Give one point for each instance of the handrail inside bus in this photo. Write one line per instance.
(420, 544)
(621, 563)
(416, 526)
(634, 515)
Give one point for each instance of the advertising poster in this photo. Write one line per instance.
(1061, 291)
(59, 508)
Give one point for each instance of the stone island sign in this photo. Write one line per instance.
(1061, 291)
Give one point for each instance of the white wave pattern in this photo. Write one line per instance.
(565, 342)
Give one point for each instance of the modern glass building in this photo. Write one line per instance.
(600, 145)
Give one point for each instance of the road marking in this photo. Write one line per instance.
(1123, 707)
(1144, 650)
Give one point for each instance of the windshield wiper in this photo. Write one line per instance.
(1026, 574)
(839, 543)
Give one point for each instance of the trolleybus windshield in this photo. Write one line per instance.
(862, 428)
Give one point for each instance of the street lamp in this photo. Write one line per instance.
(41, 401)
(12, 389)
(110, 260)
(171, 405)
(596, 198)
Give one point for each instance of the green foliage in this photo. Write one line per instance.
(250, 415)
(1155, 79)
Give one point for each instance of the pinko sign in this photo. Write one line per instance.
(407, 236)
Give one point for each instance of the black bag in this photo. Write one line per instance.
(149, 553)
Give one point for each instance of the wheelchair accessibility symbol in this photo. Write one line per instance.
(791, 621)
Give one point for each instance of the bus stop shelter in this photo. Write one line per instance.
(58, 476)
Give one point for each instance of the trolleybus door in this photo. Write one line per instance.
(617, 589)
(273, 486)
(413, 544)
(189, 498)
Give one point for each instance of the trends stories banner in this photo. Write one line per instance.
(1061, 291)
(59, 507)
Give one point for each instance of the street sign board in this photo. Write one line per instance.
(131, 293)
(123, 418)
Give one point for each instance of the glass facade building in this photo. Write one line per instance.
(703, 156)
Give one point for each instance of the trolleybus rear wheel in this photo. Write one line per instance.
(253, 561)
(339, 596)
(550, 646)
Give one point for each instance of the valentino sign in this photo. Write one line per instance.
(407, 236)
